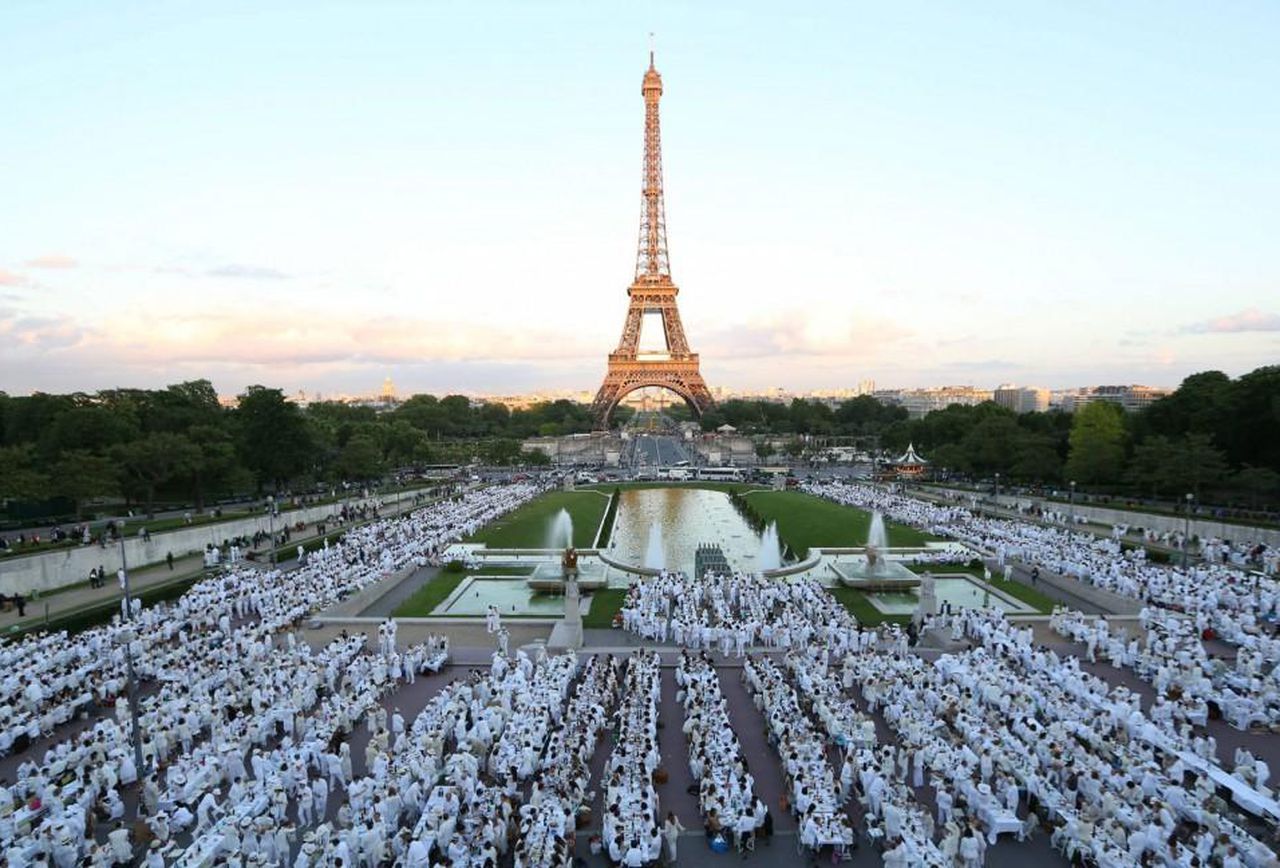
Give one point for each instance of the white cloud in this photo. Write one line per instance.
(1250, 320)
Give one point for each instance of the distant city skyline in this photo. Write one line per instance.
(321, 197)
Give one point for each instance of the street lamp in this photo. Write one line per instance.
(997, 509)
(1073, 503)
(126, 636)
(271, 522)
(1186, 530)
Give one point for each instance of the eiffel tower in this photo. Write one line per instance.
(652, 292)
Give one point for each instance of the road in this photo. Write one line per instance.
(656, 450)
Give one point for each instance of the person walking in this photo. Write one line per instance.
(168, 559)
(671, 830)
(1035, 575)
(21, 602)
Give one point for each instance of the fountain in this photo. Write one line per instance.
(549, 576)
(876, 571)
(560, 534)
(770, 557)
(655, 555)
(877, 541)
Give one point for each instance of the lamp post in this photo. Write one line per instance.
(126, 636)
(997, 507)
(271, 523)
(1073, 503)
(1186, 530)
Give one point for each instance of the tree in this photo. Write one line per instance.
(764, 449)
(274, 441)
(1199, 463)
(1261, 483)
(402, 444)
(496, 418)
(215, 460)
(501, 451)
(952, 457)
(1097, 444)
(26, 419)
(89, 427)
(1036, 459)
(361, 458)
(992, 443)
(1152, 464)
(179, 407)
(154, 460)
(535, 458)
(1254, 436)
(19, 477)
(422, 412)
(1202, 404)
(81, 475)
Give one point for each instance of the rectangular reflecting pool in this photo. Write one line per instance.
(961, 592)
(512, 597)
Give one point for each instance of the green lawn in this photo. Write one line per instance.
(1042, 604)
(605, 603)
(528, 526)
(860, 607)
(437, 590)
(805, 522)
(430, 595)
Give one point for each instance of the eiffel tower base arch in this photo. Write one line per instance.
(620, 382)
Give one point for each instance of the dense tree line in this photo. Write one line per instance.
(860, 416)
(1214, 437)
(179, 443)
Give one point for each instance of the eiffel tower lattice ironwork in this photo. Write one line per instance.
(652, 292)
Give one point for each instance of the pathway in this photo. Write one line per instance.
(80, 597)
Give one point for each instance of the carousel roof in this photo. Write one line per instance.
(911, 456)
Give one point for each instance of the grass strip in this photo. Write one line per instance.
(437, 589)
(605, 603)
(1038, 601)
(529, 526)
(805, 521)
(862, 609)
(610, 515)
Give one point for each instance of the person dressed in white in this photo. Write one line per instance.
(121, 847)
(969, 849)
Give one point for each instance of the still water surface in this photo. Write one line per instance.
(687, 517)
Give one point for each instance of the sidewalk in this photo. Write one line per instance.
(79, 597)
(987, 509)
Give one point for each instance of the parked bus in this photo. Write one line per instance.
(720, 474)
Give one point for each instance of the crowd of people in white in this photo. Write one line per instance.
(1182, 606)
(246, 757)
(236, 713)
(726, 788)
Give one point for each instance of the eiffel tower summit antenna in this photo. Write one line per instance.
(652, 291)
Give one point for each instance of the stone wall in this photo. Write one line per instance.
(57, 569)
(1201, 527)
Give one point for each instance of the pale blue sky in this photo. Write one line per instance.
(319, 195)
